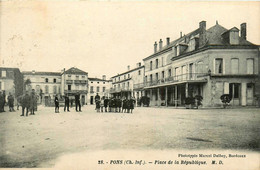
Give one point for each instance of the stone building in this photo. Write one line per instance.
(97, 85)
(45, 84)
(11, 81)
(75, 81)
(207, 62)
(123, 84)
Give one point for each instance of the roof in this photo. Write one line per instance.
(41, 73)
(213, 37)
(96, 79)
(137, 68)
(10, 68)
(74, 70)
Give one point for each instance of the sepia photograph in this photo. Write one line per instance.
(112, 85)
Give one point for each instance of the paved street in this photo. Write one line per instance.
(31, 141)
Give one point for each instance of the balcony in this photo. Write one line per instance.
(189, 77)
(80, 82)
(120, 89)
(69, 81)
(76, 91)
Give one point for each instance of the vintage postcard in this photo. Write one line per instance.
(112, 85)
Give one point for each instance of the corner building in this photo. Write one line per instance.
(207, 62)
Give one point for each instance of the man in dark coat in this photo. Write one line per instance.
(25, 103)
(77, 101)
(10, 99)
(67, 102)
(131, 104)
(97, 97)
(56, 101)
(106, 103)
(33, 102)
(1, 101)
(111, 104)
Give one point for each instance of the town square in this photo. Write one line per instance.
(108, 85)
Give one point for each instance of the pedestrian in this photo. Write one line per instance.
(33, 102)
(131, 104)
(97, 105)
(124, 105)
(25, 103)
(110, 103)
(3, 102)
(97, 97)
(119, 104)
(67, 102)
(10, 99)
(102, 101)
(106, 103)
(56, 101)
(77, 101)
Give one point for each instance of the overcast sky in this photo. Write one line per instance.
(104, 37)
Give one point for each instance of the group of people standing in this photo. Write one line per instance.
(67, 103)
(28, 103)
(114, 104)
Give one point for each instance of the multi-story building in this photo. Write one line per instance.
(11, 81)
(207, 62)
(75, 81)
(97, 85)
(45, 84)
(123, 84)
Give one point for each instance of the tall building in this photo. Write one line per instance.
(207, 62)
(97, 85)
(75, 81)
(123, 84)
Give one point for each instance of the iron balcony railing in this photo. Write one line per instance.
(75, 91)
(119, 89)
(172, 79)
(80, 81)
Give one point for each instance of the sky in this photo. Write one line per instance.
(104, 37)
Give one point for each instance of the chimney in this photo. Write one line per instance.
(202, 33)
(160, 44)
(243, 30)
(104, 77)
(168, 40)
(180, 34)
(155, 47)
(138, 64)
(128, 68)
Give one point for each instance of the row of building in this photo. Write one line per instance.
(206, 62)
(48, 84)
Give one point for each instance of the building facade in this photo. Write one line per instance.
(206, 62)
(75, 81)
(46, 85)
(128, 84)
(100, 86)
(11, 81)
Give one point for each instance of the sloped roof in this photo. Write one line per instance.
(41, 73)
(74, 70)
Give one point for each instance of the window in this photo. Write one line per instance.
(92, 82)
(69, 76)
(184, 72)
(54, 80)
(104, 89)
(234, 66)
(91, 89)
(191, 70)
(46, 89)
(200, 67)
(139, 72)
(156, 63)
(77, 77)
(170, 72)
(218, 66)
(250, 66)
(124, 76)
(127, 84)
(145, 80)
(151, 65)
(128, 75)
(151, 77)
(54, 89)
(156, 76)
(3, 73)
(69, 87)
(97, 89)
(234, 87)
(162, 74)
(46, 80)
(118, 78)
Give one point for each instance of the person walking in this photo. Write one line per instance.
(10, 100)
(33, 102)
(67, 102)
(56, 100)
(102, 101)
(25, 103)
(77, 101)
